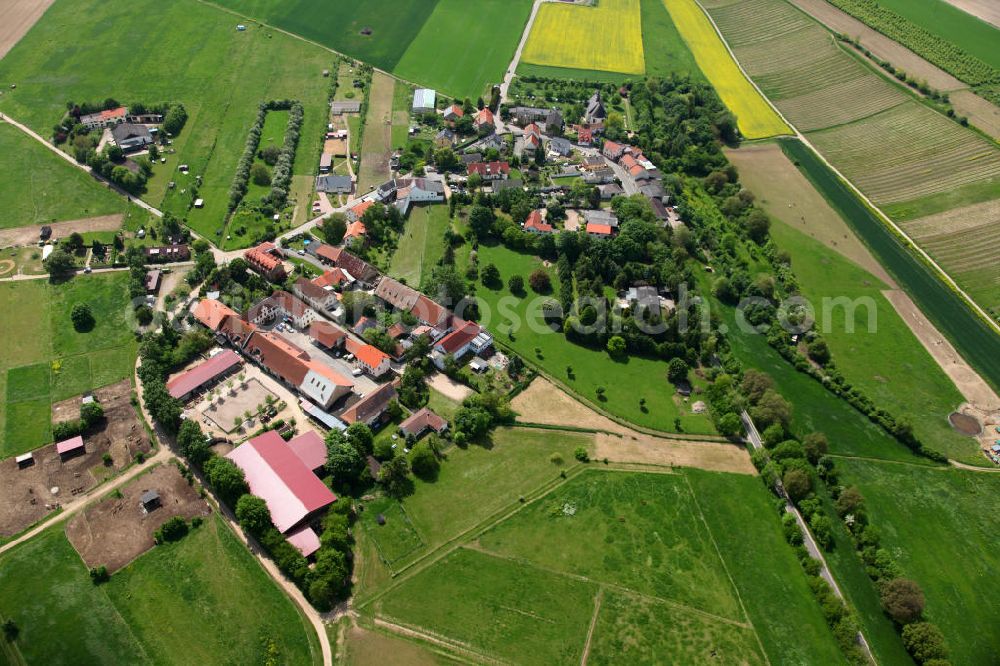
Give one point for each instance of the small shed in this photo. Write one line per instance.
(25, 460)
(478, 365)
(199, 203)
(45, 233)
(149, 500)
(70, 447)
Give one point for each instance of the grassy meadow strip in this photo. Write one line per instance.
(973, 337)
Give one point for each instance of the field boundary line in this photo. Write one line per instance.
(617, 587)
(415, 631)
(725, 567)
(440, 552)
(599, 410)
(593, 623)
(910, 243)
(260, 22)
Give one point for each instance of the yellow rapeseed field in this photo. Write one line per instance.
(755, 117)
(606, 38)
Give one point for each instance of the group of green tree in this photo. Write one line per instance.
(280, 159)
(110, 162)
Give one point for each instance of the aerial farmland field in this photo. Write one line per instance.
(938, 523)
(560, 564)
(142, 616)
(41, 187)
(605, 38)
(375, 31)
(756, 119)
(224, 75)
(45, 360)
(440, 56)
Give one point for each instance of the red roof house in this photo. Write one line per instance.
(421, 421)
(276, 474)
(70, 447)
(490, 170)
(326, 334)
(211, 313)
(263, 259)
(536, 225)
(310, 448)
(484, 117)
(220, 365)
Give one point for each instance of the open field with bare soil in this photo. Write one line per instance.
(16, 19)
(29, 234)
(26, 495)
(786, 194)
(544, 403)
(117, 530)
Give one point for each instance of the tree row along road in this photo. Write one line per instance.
(814, 551)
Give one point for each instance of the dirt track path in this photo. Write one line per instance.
(508, 76)
(16, 19)
(544, 403)
(28, 234)
(968, 382)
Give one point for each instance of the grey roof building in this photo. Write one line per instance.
(595, 108)
(129, 136)
(334, 184)
(339, 108)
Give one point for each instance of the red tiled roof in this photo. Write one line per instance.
(460, 337)
(278, 476)
(305, 539)
(602, 229)
(70, 445)
(326, 333)
(236, 329)
(279, 356)
(203, 373)
(281, 300)
(534, 221)
(355, 229)
(113, 113)
(211, 312)
(310, 448)
(421, 420)
(429, 311)
(331, 278)
(329, 373)
(456, 110)
(360, 209)
(485, 117)
(369, 355)
(260, 257)
(488, 168)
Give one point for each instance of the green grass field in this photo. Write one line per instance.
(421, 244)
(889, 364)
(203, 598)
(200, 59)
(339, 25)
(625, 632)
(745, 525)
(625, 382)
(376, 143)
(520, 614)
(465, 47)
(39, 186)
(815, 408)
(526, 590)
(46, 360)
(662, 530)
(481, 476)
(939, 525)
(971, 336)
